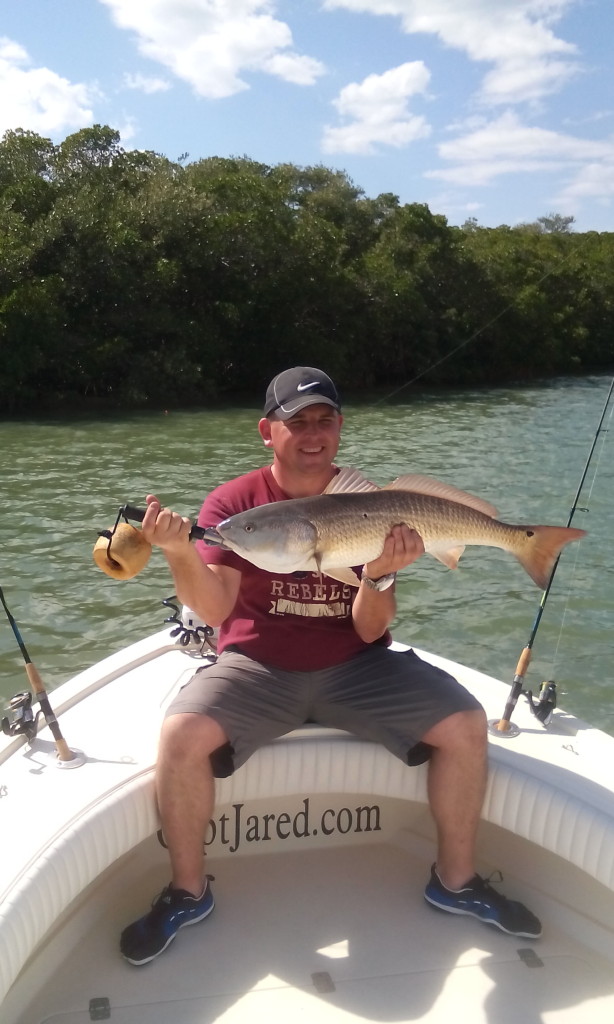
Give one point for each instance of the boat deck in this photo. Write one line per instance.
(333, 935)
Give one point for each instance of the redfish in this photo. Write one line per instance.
(348, 524)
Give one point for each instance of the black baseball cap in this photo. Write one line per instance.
(292, 390)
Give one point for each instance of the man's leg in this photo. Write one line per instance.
(255, 705)
(418, 712)
(185, 790)
(456, 787)
(394, 698)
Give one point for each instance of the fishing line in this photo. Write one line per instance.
(547, 700)
(603, 431)
(458, 348)
(479, 331)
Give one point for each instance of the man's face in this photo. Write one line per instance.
(308, 441)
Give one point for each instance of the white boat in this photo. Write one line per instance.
(320, 849)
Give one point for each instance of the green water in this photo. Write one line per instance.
(522, 448)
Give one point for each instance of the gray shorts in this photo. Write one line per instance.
(390, 697)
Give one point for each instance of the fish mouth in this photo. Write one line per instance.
(211, 536)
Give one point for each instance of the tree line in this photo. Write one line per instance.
(129, 279)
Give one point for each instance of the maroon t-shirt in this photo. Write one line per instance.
(295, 622)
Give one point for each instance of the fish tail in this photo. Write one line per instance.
(544, 545)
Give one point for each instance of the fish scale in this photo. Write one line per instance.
(351, 536)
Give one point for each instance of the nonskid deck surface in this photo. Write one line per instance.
(329, 935)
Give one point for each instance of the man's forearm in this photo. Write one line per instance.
(210, 592)
(373, 612)
(200, 587)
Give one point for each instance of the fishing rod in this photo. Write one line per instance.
(24, 722)
(546, 702)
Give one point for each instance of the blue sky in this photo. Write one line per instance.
(502, 110)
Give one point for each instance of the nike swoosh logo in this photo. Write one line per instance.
(303, 387)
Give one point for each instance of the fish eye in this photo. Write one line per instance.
(248, 528)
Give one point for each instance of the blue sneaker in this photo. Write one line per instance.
(478, 899)
(173, 909)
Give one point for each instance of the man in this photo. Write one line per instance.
(282, 661)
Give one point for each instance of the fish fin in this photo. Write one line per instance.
(343, 575)
(539, 556)
(449, 556)
(438, 489)
(349, 480)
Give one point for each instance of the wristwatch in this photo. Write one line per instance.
(381, 583)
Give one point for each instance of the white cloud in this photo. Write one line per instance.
(146, 83)
(377, 112)
(594, 180)
(506, 145)
(508, 139)
(293, 68)
(211, 43)
(516, 36)
(38, 99)
(127, 128)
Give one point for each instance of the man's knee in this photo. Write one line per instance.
(190, 736)
(463, 729)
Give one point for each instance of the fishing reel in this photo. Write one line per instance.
(545, 704)
(23, 720)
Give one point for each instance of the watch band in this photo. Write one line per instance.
(381, 583)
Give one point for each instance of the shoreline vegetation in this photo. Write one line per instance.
(129, 281)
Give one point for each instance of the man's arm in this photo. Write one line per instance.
(373, 610)
(210, 591)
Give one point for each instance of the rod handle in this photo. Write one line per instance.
(521, 670)
(137, 515)
(38, 687)
(523, 663)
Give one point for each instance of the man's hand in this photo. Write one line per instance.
(211, 591)
(402, 547)
(165, 528)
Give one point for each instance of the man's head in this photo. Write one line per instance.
(302, 424)
(294, 389)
